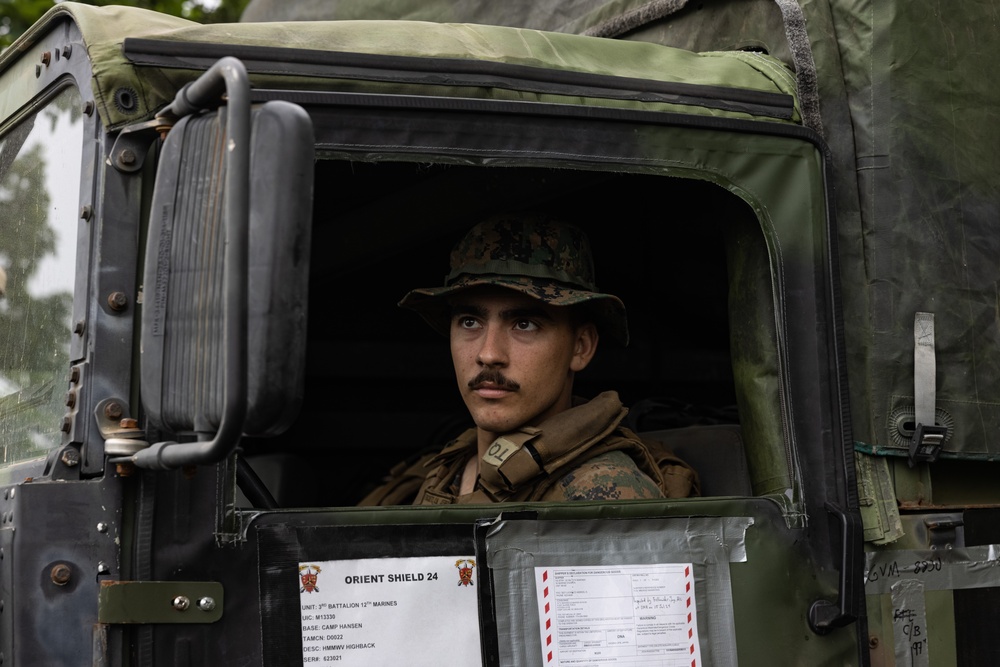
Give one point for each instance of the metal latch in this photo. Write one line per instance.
(159, 602)
(926, 443)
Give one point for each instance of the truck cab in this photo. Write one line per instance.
(207, 231)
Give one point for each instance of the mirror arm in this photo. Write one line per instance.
(228, 75)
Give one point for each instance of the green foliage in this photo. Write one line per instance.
(16, 16)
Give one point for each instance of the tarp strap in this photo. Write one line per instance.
(877, 499)
(927, 436)
(807, 81)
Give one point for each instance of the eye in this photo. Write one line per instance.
(525, 325)
(467, 322)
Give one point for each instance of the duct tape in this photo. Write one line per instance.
(909, 624)
(935, 569)
(516, 547)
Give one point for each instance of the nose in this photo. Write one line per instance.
(493, 350)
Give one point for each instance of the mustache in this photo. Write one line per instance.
(494, 377)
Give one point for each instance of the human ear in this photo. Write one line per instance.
(584, 346)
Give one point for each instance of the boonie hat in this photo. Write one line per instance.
(534, 254)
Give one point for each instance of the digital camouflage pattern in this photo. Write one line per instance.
(611, 476)
(534, 254)
(583, 453)
(435, 480)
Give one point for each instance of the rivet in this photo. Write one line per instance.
(181, 603)
(102, 568)
(88, 108)
(71, 399)
(66, 426)
(102, 527)
(86, 213)
(47, 58)
(67, 51)
(78, 328)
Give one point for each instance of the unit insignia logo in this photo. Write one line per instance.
(465, 567)
(309, 576)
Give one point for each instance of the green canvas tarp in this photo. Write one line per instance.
(903, 93)
(908, 102)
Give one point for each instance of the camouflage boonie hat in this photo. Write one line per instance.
(536, 255)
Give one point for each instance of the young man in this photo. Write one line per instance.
(523, 315)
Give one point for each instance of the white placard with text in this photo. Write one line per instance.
(619, 616)
(377, 612)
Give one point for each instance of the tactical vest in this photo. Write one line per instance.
(523, 465)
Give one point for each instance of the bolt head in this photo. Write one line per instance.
(117, 301)
(102, 527)
(70, 456)
(181, 603)
(206, 604)
(102, 568)
(61, 574)
(113, 411)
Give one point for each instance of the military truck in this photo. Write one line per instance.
(206, 230)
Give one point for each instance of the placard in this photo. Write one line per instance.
(387, 612)
(620, 616)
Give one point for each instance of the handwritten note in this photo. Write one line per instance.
(620, 616)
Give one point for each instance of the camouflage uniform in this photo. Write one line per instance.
(579, 454)
(585, 454)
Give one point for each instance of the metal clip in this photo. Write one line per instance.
(926, 443)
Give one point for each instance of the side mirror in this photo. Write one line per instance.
(226, 274)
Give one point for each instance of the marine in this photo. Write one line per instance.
(523, 316)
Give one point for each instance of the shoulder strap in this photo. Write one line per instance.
(410, 481)
(404, 480)
(621, 440)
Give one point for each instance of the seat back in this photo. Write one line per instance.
(715, 452)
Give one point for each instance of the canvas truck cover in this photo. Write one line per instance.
(151, 56)
(908, 103)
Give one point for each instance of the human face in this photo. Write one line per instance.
(515, 358)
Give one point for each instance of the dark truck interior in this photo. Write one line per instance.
(379, 385)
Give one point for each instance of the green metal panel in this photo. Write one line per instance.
(160, 602)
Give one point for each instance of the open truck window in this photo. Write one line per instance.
(380, 387)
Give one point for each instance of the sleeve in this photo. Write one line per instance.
(610, 476)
